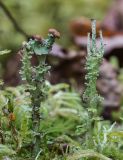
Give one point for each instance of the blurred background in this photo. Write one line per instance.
(19, 20)
(36, 17)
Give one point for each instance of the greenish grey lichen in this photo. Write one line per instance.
(93, 61)
(35, 77)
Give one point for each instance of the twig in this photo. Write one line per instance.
(13, 21)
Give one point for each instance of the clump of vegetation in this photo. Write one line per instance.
(41, 121)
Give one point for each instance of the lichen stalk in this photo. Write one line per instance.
(35, 77)
(93, 61)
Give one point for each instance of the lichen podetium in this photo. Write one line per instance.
(93, 61)
(35, 77)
